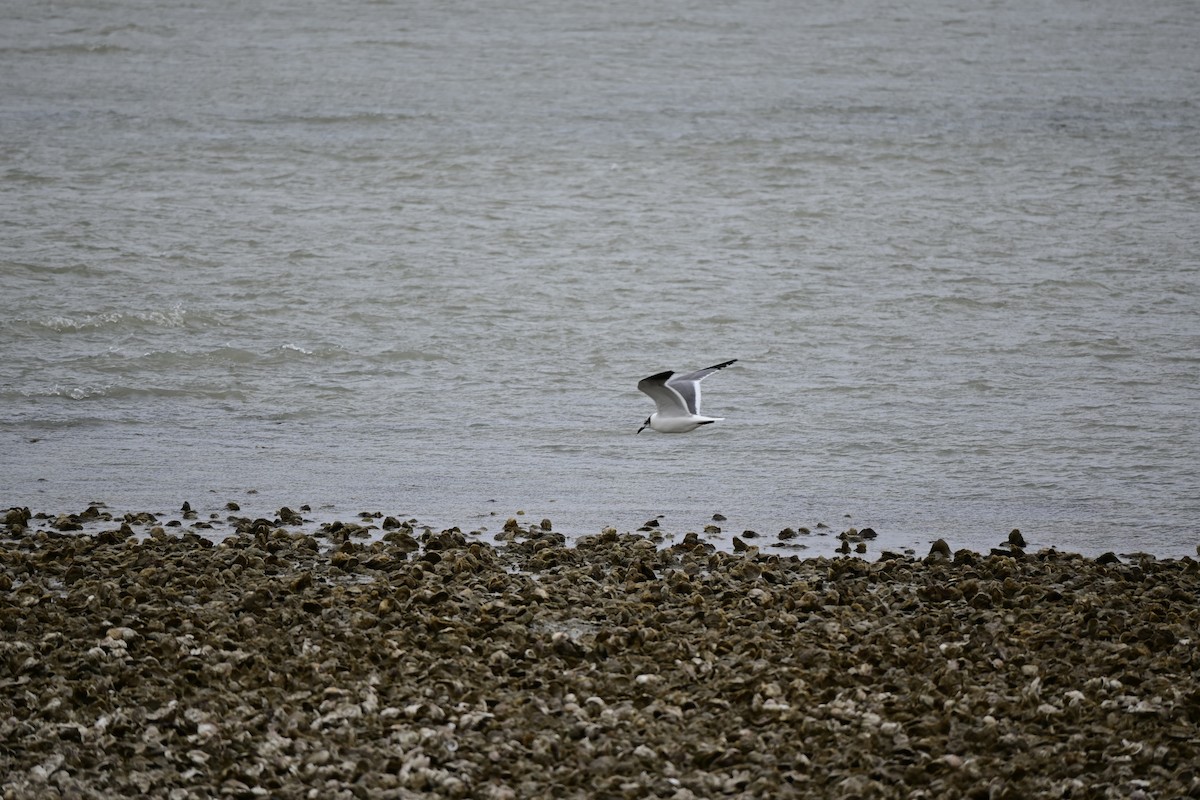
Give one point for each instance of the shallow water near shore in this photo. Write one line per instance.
(414, 259)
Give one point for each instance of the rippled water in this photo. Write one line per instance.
(414, 257)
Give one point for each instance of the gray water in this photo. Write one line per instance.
(414, 257)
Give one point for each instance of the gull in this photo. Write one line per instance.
(678, 400)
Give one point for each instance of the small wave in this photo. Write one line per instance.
(353, 118)
(81, 48)
(174, 317)
(290, 351)
(77, 392)
(86, 392)
(409, 355)
(28, 178)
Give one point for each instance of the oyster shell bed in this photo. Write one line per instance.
(435, 664)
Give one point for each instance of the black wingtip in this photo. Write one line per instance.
(723, 366)
(661, 377)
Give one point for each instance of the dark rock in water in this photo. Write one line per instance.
(787, 533)
(649, 524)
(739, 546)
(16, 516)
(232, 506)
(844, 547)
(255, 527)
(1108, 558)
(391, 523)
(861, 547)
(186, 507)
(1015, 538)
(940, 548)
(289, 517)
(68, 522)
(856, 535)
(718, 517)
(749, 535)
(546, 524)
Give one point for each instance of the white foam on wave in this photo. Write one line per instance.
(174, 317)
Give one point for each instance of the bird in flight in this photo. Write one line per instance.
(678, 400)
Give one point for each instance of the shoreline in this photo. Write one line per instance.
(814, 541)
(275, 663)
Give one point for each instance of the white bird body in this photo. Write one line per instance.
(678, 400)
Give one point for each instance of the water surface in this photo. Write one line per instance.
(414, 257)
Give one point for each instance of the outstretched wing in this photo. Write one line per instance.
(668, 400)
(688, 386)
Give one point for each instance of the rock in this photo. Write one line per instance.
(940, 549)
(289, 517)
(67, 522)
(402, 540)
(1016, 539)
(274, 663)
